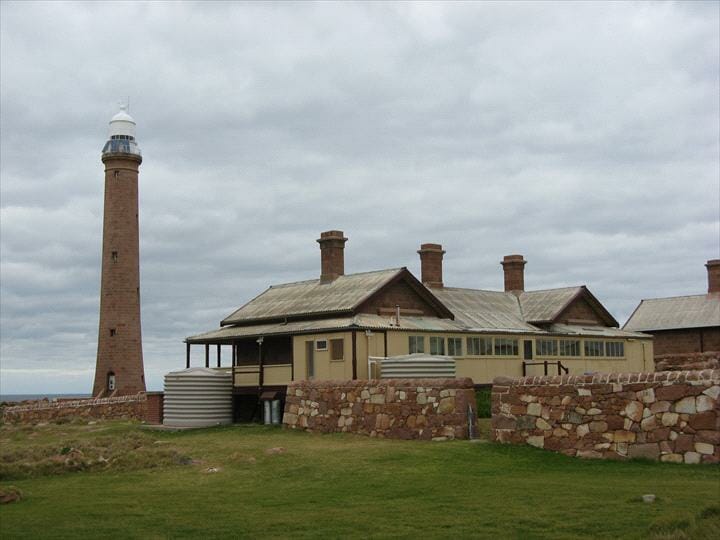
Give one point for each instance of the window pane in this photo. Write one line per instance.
(455, 346)
(615, 348)
(416, 344)
(437, 345)
(546, 347)
(506, 347)
(594, 348)
(336, 349)
(569, 347)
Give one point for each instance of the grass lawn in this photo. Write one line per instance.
(135, 483)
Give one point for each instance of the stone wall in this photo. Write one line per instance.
(126, 407)
(671, 416)
(434, 409)
(686, 362)
(155, 407)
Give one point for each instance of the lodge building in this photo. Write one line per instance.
(329, 327)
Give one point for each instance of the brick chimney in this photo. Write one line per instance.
(514, 267)
(713, 269)
(332, 255)
(431, 256)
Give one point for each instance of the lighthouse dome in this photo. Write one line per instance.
(122, 124)
(122, 135)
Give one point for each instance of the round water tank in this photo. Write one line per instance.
(198, 397)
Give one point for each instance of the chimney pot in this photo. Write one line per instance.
(514, 268)
(332, 255)
(713, 270)
(431, 257)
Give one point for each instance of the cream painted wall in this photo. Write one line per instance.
(482, 369)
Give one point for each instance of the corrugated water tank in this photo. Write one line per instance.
(198, 397)
(413, 366)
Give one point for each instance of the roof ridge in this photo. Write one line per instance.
(674, 297)
(278, 285)
(557, 288)
(471, 289)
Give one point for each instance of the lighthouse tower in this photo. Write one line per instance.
(119, 367)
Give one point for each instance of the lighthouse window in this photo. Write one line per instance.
(116, 174)
(112, 332)
(114, 256)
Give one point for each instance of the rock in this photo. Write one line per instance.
(560, 432)
(542, 424)
(634, 411)
(439, 439)
(594, 411)
(704, 448)
(211, 470)
(672, 458)
(598, 427)
(646, 396)
(10, 494)
(421, 399)
(534, 409)
(650, 498)
(582, 430)
(660, 406)
(447, 405)
(686, 405)
(669, 419)
(713, 392)
(648, 424)
(648, 451)
(704, 420)
(275, 450)
(584, 392)
(589, 454)
(692, 457)
(573, 417)
(537, 441)
(704, 403)
(671, 392)
(379, 399)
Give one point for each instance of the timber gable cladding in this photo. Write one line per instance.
(380, 313)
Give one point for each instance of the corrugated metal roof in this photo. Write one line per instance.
(312, 297)
(600, 331)
(477, 309)
(697, 311)
(544, 305)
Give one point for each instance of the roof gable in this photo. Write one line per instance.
(484, 309)
(343, 295)
(312, 298)
(547, 306)
(697, 311)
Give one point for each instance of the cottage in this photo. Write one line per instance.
(682, 324)
(328, 328)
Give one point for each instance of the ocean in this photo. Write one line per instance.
(24, 397)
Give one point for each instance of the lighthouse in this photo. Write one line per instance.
(119, 366)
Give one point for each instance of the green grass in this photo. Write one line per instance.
(337, 486)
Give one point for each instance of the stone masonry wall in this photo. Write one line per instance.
(434, 409)
(671, 416)
(686, 362)
(128, 407)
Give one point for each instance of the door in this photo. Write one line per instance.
(310, 359)
(528, 350)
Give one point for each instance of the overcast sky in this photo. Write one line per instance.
(584, 136)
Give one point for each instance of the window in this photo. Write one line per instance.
(479, 346)
(437, 345)
(569, 347)
(114, 256)
(594, 348)
(416, 344)
(546, 347)
(455, 346)
(116, 174)
(614, 348)
(321, 345)
(112, 332)
(506, 347)
(336, 349)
